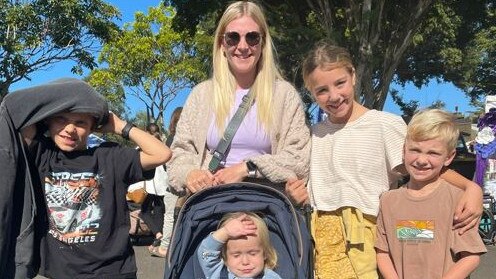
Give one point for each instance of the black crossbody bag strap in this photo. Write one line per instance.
(220, 152)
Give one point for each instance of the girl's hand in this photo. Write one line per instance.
(297, 191)
(469, 209)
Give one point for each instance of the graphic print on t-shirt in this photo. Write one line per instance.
(415, 230)
(73, 206)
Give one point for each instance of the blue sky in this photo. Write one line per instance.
(434, 91)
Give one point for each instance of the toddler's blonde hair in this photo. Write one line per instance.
(262, 233)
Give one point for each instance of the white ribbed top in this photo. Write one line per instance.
(352, 164)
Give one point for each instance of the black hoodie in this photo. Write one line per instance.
(22, 209)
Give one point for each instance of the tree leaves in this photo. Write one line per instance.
(402, 41)
(151, 61)
(38, 33)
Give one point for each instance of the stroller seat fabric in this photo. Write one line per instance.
(202, 212)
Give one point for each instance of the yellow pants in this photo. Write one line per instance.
(337, 258)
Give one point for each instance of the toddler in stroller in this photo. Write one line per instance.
(240, 246)
(202, 212)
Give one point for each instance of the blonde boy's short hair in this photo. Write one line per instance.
(434, 124)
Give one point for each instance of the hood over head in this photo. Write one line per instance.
(62, 95)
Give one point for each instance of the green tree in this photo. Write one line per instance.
(438, 105)
(140, 120)
(35, 34)
(411, 107)
(113, 92)
(151, 61)
(408, 108)
(401, 41)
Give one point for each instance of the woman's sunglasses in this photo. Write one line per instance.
(252, 38)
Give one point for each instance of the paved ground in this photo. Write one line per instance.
(487, 267)
(149, 267)
(153, 267)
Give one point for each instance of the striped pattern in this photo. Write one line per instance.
(351, 164)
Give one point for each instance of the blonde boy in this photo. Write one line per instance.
(415, 235)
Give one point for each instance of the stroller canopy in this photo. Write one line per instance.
(202, 212)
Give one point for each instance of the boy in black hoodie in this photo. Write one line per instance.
(84, 189)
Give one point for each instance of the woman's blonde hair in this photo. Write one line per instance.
(434, 124)
(328, 57)
(267, 70)
(270, 253)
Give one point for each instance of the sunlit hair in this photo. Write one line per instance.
(327, 57)
(434, 124)
(174, 119)
(262, 233)
(225, 82)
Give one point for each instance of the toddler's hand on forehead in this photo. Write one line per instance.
(240, 226)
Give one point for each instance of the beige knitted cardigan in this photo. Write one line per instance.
(290, 137)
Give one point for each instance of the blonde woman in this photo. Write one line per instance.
(272, 144)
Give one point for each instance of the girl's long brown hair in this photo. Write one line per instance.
(174, 119)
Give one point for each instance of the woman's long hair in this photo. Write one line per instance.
(267, 71)
(174, 119)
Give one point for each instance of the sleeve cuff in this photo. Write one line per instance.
(211, 243)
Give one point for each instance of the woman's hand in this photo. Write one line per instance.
(232, 174)
(297, 191)
(199, 179)
(469, 209)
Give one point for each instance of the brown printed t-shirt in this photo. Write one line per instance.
(417, 232)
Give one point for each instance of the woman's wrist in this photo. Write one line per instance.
(251, 169)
